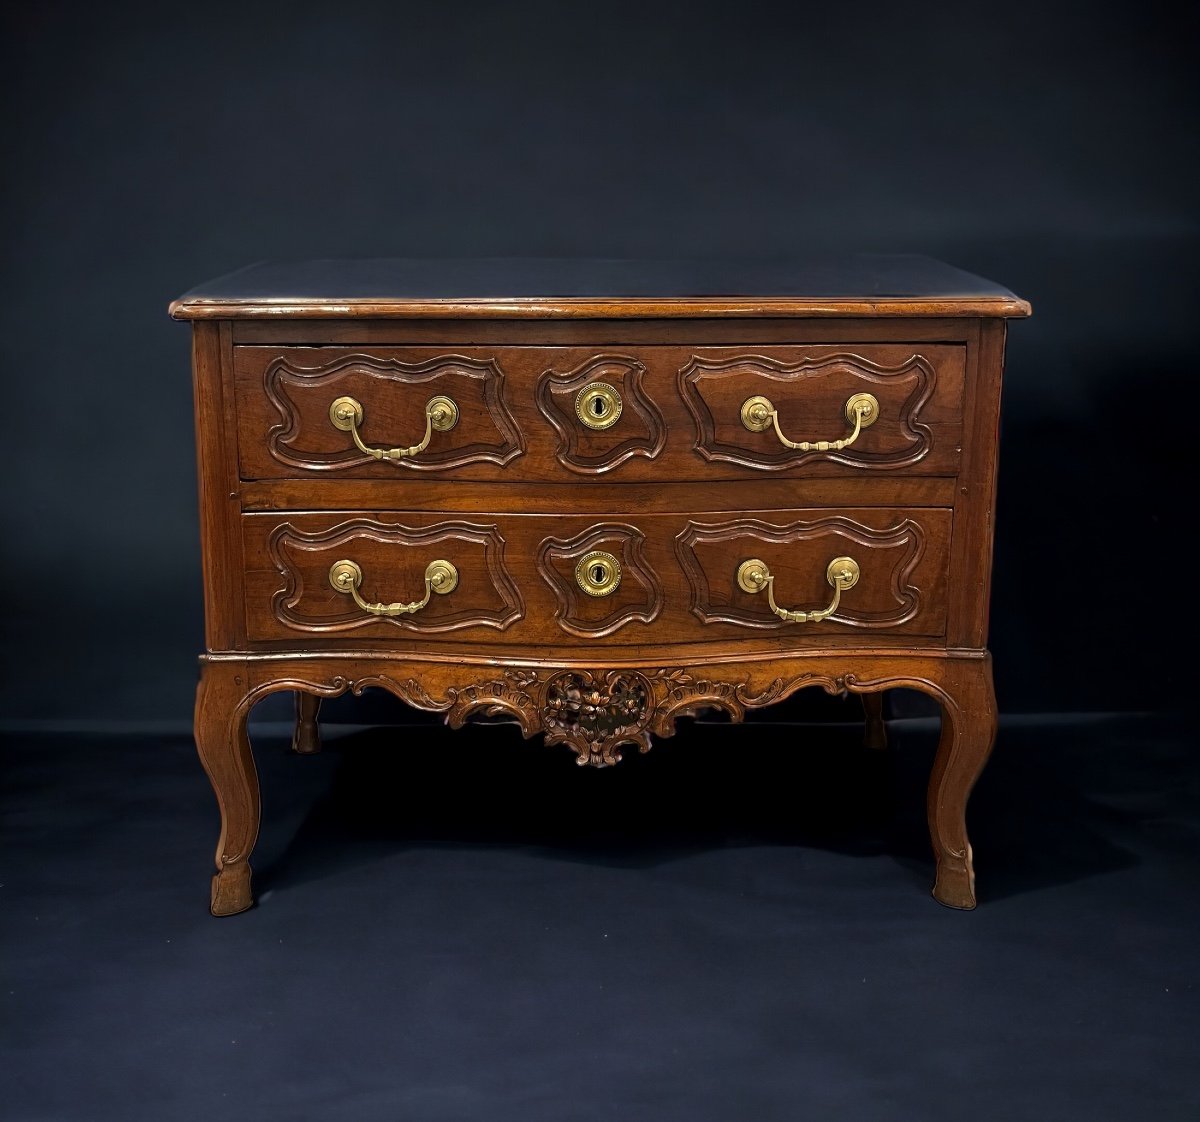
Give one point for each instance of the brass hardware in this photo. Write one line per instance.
(441, 414)
(598, 405)
(862, 411)
(598, 573)
(842, 573)
(440, 577)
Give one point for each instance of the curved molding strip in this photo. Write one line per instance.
(283, 375)
(639, 598)
(474, 549)
(764, 452)
(641, 431)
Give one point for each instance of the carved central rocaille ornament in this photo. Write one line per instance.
(596, 713)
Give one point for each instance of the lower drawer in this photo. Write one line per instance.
(803, 577)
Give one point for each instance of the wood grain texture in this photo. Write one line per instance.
(300, 437)
(665, 496)
(217, 477)
(810, 391)
(638, 598)
(678, 490)
(512, 401)
(597, 334)
(901, 589)
(640, 430)
(393, 558)
(517, 576)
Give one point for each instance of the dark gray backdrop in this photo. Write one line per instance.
(1050, 147)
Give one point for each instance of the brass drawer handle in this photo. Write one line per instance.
(440, 577)
(598, 405)
(842, 573)
(441, 414)
(862, 411)
(598, 573)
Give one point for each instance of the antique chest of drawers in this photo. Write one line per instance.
(593, 497)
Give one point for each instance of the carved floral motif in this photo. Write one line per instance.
(594, 712)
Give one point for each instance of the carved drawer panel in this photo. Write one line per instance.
(339, 577)
(374, 413)
(625, 414)
(843, 574)
(602, 413)
(543, 581)
(601, 579)
(876, 409)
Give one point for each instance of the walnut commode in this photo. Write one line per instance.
(594, 497)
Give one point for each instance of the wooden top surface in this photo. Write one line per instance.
(564, 288)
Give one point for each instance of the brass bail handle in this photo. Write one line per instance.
(842, 573)
(861, 410)
(441, 415)
(440, 577)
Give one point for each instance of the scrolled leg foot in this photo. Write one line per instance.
(222, 703)
(968, 732)
(231, 890)
(875, 732)
(954, 885)
(306, 740)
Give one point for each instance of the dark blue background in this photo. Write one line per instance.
(148, 148)
(459, 925)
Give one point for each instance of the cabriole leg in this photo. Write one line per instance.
(968, 732)
(222, 704)
(875, 733)
(306, 740)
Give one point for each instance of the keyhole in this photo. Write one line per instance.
(597, 575)
(598, 407)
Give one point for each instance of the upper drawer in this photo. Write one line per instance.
(301, 409)
(870, 409)
(636, 414)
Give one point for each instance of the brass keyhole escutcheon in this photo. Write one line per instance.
(598, 573)
(598, 405)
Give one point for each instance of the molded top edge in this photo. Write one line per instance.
(557, 288)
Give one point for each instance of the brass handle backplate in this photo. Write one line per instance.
(842, 573)
(598, 573)
(861, 410)
(441, 415)
(598, 405)
(440, 577)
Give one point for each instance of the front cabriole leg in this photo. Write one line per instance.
(968, 702)
(222, 705)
